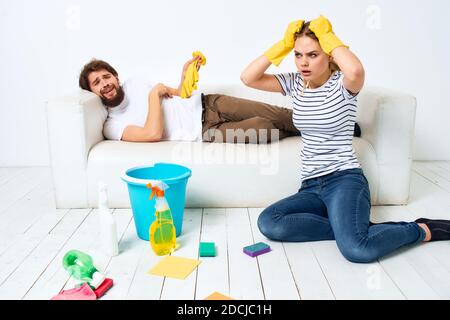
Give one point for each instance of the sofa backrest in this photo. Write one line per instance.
(241, 91)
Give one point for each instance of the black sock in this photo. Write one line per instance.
(357, 130)
(440, 229)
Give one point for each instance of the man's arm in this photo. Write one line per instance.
(154, 124)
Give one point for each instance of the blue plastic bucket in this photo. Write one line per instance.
(175, 176)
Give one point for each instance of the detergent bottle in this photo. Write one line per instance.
(162, 231)
(81, 267)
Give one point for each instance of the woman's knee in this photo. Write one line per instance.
(359, 254)
(269, 225)
(265, 221)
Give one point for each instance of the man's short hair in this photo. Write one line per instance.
(94, 65)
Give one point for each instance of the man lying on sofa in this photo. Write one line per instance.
(140, 111)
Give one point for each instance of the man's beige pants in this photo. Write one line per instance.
(235, 120)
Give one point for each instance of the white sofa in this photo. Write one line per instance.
(223, 175)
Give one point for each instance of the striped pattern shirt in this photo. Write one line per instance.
(326, 118)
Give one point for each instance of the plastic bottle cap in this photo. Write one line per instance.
(97, 279)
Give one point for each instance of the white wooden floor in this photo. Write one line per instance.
(34, 236)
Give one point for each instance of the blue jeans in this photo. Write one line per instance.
(336, 206)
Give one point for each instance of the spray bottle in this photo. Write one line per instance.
(108, 223)
(162, 231)
(81, 267)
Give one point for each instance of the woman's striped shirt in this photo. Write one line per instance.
(326, 118)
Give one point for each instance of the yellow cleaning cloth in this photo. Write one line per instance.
(174, 267)
(191, 77)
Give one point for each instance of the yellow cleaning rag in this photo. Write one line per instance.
(191, 77)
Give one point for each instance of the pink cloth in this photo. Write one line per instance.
(83, 292)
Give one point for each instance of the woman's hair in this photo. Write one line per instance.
(306, 32)
(94, 65)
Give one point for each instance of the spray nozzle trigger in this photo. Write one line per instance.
(158, 190)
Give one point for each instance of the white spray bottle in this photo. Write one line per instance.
(108, 228)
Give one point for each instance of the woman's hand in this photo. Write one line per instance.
(324, 32)
(281, 49)
(291, 30)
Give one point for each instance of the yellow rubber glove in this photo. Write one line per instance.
(324, 32)
(191, 77)
(281, 49)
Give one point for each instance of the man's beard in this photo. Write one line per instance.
(114, 102)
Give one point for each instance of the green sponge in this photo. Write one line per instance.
(207, 249)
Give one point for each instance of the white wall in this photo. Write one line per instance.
(403, 45)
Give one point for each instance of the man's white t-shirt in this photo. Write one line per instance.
(182, 117)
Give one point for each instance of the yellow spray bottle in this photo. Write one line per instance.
(162, 231)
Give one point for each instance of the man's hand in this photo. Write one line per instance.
(163, 91)
(186, 66)
(189, 77)
(183, 74)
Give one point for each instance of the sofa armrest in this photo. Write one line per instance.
(75, 125)
(387, 121)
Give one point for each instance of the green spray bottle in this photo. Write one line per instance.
(81, 267)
